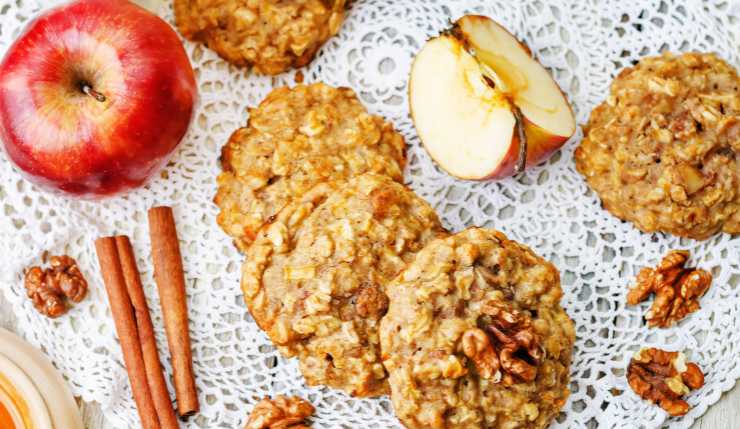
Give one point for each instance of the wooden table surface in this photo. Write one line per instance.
(723, 415)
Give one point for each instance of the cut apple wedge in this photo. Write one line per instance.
(482, 106)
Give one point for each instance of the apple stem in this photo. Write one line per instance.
(88, 90)
(522, 161)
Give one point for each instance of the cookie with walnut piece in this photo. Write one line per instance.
(296, 138)
(269, 36)
(314, 279)
(662, 151)
(475, 336)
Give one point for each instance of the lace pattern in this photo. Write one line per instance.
(583, 42)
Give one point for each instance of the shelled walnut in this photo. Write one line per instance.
(663, 378)
(50, 288)
(508, 345)
(677, 289)
(280, 413)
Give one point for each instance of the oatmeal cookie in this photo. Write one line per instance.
(269, 36)
(662, 151)
(314, 279)
(475, 336)
(295, 139)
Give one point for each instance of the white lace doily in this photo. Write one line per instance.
(550, 208)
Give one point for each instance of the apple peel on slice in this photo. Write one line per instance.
(484, 108)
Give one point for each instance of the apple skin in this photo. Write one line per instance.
(515, 79)
(541, 145)
(66, 140)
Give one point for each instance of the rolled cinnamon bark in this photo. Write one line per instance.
(170, 279)
(154, 373)
(125, 322)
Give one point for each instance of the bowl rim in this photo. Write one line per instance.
(53, 388)
(24, 390)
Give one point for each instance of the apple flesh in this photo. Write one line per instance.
(94, 96)
(483, 107)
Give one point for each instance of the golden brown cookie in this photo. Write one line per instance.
(269, 36)
(314, 279)
(296, 138)
(662, 150)
(475, 336)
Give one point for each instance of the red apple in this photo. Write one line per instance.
(94, 96)
(484, 108)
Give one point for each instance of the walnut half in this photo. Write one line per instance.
(677, 289)
(663, 378)
(49, 288)
(280, 413)
(507, 349)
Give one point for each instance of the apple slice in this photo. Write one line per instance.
(483, 107)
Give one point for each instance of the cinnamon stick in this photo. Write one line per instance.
(153, 367)
(125, 322)
(170, 279)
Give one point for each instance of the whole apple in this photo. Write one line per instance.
(94, 96)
